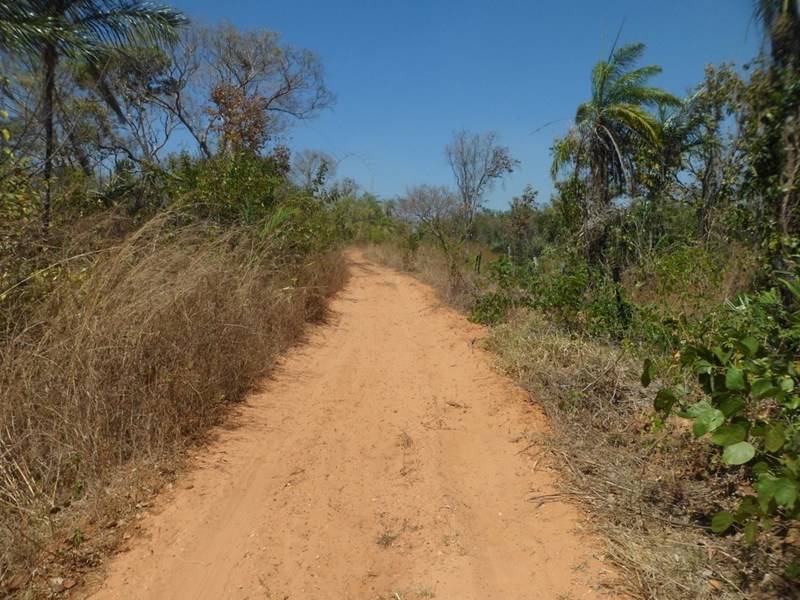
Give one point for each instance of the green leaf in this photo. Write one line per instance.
(750, 532)
(787, 385)
(648, 372)
(664, 400)
(695, 410)
(734, 379)
(763, 388)
(732, 405)
(738, 454)
(747, 346)
(775, 437)
(785, 493)
(747, 508)
(759, 468)
(702, 367)
(766, 485)
(722, 356)
(728, 435)
(708, 421)
(721, 521)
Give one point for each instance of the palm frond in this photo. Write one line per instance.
(23, 29)
(637, 120)
(566, 150)
(637, 77)
(626, 56)
(131, 22)
(83, 28)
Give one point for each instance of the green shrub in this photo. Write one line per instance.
(230, 188)
(747, 401)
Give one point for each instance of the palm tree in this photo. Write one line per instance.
(608, 130)
(86, 30)
(781, 22)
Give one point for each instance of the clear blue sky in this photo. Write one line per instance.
(407, 74)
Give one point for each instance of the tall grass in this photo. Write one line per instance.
(429, 265)
(134, 352)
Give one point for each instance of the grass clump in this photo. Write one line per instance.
(125, 357)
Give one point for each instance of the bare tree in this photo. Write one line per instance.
(233, 87)
(478, 162)
(134, 124)
(436, 210)
(312, 168)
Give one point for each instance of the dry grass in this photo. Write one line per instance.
(429, 266)
(134, 353)
(650, 495)
(694, 280)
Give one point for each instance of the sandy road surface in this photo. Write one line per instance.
(383, 460)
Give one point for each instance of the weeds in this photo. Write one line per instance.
(414, 592)
(386, 539)
(404, 440)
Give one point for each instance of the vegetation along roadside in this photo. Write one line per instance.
(143, 291)
(651, 307)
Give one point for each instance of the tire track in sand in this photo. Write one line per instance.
(383, 456)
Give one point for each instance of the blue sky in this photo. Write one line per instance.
(408, 74)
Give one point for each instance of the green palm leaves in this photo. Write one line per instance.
(85, 30)
(609, 129)
(615, 119)
(80, 28)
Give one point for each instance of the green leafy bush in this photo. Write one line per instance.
(241, 187)
(565, 293)
(747, 401)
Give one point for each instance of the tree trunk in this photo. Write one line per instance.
(594, 208)
(50, 60)
(790, 176)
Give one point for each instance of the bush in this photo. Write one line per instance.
(742, 359)
(229, 188)
(564, 292)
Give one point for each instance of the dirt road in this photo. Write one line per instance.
(384, 459)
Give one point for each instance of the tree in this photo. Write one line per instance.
(710, 152)
(86, 30)
(772, 122)
(133, 125)
(780, 20)
(608, 129)
(237, 89)
(520, 226)
(478, 162)
(312, 168)
(435, 210)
